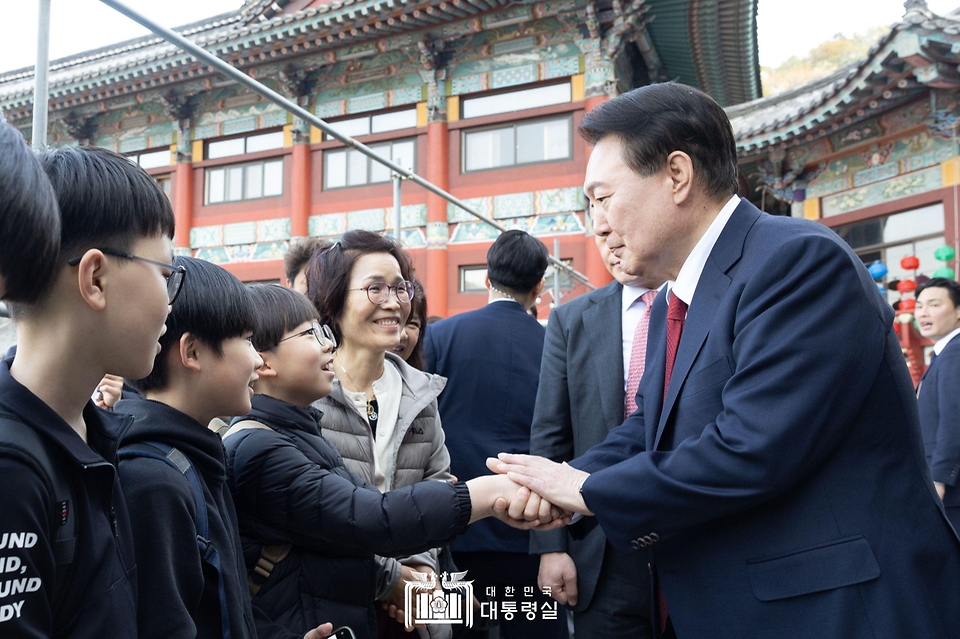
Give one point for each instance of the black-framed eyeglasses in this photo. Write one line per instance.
(174, 278)
(379, 292)
(323, 334)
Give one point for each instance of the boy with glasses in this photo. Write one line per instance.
(172, 464)
(65, 526)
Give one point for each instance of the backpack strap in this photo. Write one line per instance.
(245, 424)
(24, 441)
(208, 553)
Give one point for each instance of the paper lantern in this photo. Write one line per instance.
(946, 272)
(906, 286)
(945, 253)
(877, 270)
(910, 263)
(908, 305)
(882, 289)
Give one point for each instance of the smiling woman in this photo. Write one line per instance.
(382, 413)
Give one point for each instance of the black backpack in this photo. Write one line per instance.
(208, 553)
(23, 442)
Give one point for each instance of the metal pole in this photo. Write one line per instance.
(556, 273)
(241, 78)
(41, 86)
(397, 233)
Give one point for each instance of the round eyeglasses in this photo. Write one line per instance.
(323, 334)
(379, 292)
(174, 279)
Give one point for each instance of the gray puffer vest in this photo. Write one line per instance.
(420, 452)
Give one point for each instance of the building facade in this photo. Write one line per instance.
(871, 151)
(480, 97)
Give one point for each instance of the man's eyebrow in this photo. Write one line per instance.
(592, 186)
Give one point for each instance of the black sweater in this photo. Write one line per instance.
(291, 487)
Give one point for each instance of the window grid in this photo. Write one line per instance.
(516, 144)
(345, 168)
(238, 182)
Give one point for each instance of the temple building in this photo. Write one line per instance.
(871, 151)
(480, 97)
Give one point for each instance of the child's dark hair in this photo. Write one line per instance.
(328, 272)
(213, 305)
(418, 311)
(29, 220)
(105, 200)
(277, 310)
(300, 253)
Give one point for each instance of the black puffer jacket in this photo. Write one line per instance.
(290, 486)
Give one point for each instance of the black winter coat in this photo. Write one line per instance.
(178, 593)
(291, 487)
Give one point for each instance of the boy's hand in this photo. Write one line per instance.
(108, 392)
(320, 632)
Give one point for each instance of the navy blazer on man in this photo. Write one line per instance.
(785, 492)
(491, 359)
(579, 401)
(939, 403)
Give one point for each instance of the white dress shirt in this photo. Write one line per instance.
(943, 341)
(689, 275)
(632, 309)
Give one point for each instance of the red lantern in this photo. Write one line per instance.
(910, 263)
(906, 286)
(908, 305)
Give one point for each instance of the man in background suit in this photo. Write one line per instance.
(774, 471)
(593, 358)
(491, 359)
(938, 395)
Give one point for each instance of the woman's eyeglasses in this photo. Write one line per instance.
(323, 334)
(174, 279)
(379, 292)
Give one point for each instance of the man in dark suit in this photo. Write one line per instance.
(938, 395)
(774, 471)
(593, 357)
(491, 359)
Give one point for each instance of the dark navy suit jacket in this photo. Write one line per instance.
(939, 402)
(491, 359)
(579, 401)
(782, 489)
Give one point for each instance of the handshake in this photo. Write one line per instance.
(528, 492)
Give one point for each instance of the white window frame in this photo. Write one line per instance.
(513, 125)
(243, 167)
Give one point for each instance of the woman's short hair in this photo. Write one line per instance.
(277, 310)
(213, 305)
(328, 272)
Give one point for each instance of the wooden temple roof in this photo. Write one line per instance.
(706, 43)
(920, 53)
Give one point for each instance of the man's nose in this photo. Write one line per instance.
(600, 225)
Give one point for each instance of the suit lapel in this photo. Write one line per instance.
(604, 321)
(711, 287)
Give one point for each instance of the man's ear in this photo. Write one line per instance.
(535, 293)
(190, 352)
(92, 278)
(486, 281)
(266, 370)
(680, 170)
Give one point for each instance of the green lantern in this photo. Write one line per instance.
(945, 254)
(946, 272)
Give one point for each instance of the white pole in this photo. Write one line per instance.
(41, 87)
(397, 232)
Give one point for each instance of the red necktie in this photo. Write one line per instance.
(638, 355)
(676, 316)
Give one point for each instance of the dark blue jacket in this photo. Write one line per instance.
(491, 359)
(939, 403)
(291, 487)
(781, 488)
(100, 590)
(178, 592)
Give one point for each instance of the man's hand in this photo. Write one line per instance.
(394, 604)
(941, 489)
(498, 496)
(558, 483)
(559, 574)
(320, 632)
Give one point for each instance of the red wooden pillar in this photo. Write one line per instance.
(183, 202)
(438, 172)
(300, 190)
(596, 270)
